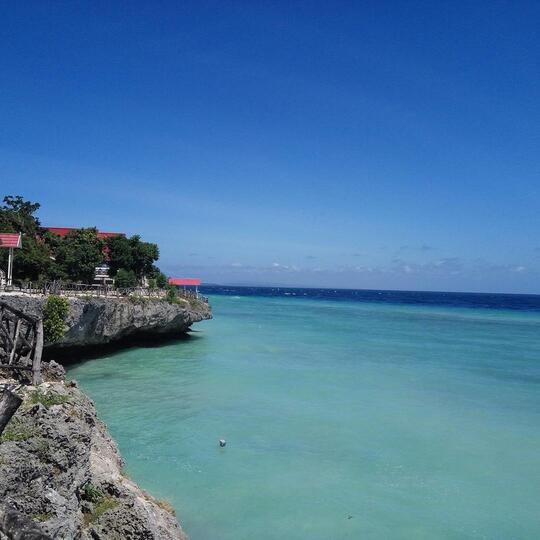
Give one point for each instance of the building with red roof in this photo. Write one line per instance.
(64, 231)
(186, 282)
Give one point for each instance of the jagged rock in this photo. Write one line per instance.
(59, 466)
(53, 371)
(17, 526)
(94, 321)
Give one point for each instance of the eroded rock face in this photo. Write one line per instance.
(59, 466)
(99, 321)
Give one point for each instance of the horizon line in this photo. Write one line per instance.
(362, 289)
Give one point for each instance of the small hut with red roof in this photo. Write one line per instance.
(10, 241)
(186, 282)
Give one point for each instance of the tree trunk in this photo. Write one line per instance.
(9, 404)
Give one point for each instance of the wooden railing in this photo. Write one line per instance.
(21, 342)
(61, 288)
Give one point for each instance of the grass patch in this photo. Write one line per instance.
(42, 516)
(174, 300)
(105, 505)
(138, 299)
(101, 502)
(17, 431)
(43, 449)
(197, 304)
(108, 503)
(47, 399)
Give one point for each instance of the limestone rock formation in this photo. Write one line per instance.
(95, 321)
(59, 466)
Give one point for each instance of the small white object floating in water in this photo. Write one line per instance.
(222, 442)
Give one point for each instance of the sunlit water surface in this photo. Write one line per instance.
(343, 420)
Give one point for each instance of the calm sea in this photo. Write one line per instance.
(347, 415)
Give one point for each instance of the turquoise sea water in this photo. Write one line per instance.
(344, 420)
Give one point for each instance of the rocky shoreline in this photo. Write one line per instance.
(60, 467)
(58, 464)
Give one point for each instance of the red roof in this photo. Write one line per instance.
(184, 281)
(10, 240)
(63, 231)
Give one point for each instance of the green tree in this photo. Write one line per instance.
(119, 254)
(17, 215)
(159, 278)
(133, 255)
(125, 279)
(172, 294)
(78, 254)
(47, 256)
(144, 255)
(33, 261)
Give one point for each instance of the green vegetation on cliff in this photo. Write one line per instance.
(55, 313)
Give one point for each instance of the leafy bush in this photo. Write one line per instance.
(161, 280)
(101, 502)
(55, 313)
(125, 279)
(171, 295)
(92, 493)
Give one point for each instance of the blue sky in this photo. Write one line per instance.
(340, 144)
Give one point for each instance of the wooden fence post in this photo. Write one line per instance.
(38, 350)
(15, 340)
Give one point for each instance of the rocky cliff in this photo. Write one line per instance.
(59, 466)
(100, 321)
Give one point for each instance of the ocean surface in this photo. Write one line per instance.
(347, 415)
